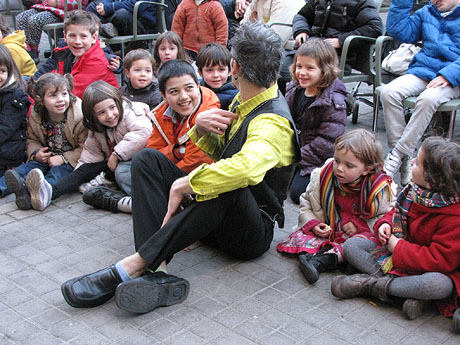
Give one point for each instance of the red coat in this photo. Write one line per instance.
(433, 244)
(192, 157)
(91, 66)
(200, 25)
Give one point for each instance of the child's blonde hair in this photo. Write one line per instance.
(364, 145)
(37, 90)
(173, 38)
(325, 56)
(441, 165)
(97, 92)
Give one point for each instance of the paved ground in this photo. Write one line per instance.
(264, 301)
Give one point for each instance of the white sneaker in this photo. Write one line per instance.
(40, 190)
(124, 204)
(406, 170)
(99, 181)
(392, 164)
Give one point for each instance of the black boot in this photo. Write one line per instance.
(150, 291)
(311, 265)
(16, 185)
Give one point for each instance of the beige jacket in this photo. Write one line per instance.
(74, 131)
(310, 202)
(130, 135)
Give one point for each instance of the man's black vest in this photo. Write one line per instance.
(271, 192)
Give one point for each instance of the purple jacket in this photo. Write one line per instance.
(317, 144)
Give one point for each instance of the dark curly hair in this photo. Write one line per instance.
(441, 165)
(37, 90)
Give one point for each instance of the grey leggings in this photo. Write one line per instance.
(427, 286)
(32, 21)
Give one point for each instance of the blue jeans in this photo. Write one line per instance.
(52, 175)
(123, 176)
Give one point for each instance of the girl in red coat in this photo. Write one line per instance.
(421, 237)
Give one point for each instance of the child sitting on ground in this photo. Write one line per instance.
(139, 71)
(168, 47)
(16, 43)
(55, 135)
(172, 120)
(214, 66)
(422, 239)
(14, 105)
(344, 199)
(83, 57)
(200, 22)
(118, 129)
(316, 98)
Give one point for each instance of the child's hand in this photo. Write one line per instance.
(54, 161)
(350, 229)
(114, 64)
(42, 155)
(301, 38)
(100, 9)
(322, 230)
(392, 243)
(52, 3)
(240, 8)
(112, 162)
(384, 233)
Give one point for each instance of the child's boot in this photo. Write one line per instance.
(361, 284)
(456, 321)
(413, 308)
(16, 185)
(311, 265)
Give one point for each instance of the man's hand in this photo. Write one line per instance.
(438, 81)
(321, 230)
(384, 233)
(214, 121)
(179, 189)
(43, 155)
(54, 161)
(301, 38)
(350, 229)
(333, 42)
(392, 243)
(114, 63)
(112, 162)
(100, 9)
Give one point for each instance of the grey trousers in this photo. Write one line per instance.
(406, 137)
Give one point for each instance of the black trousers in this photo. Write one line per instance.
(86, 172)
(232, 222)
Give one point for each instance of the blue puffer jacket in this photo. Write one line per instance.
(440, 54)
(226, 93)
(146, 11)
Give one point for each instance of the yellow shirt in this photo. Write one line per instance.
(270, 143)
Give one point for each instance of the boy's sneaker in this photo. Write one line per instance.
(103, 198)
(40, 190)
(125, 204)
(392, 164)
(99, 181)
(16, 185)
(406, 170)
(108, 30)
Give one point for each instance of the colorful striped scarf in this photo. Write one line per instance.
(411, 193)
(371, 186)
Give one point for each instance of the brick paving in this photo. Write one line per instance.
(263, 301)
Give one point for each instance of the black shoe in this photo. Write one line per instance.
(151, 291)
(108, 30)
(103, 198)
(311, 265)
(92, 289)
(16, 185)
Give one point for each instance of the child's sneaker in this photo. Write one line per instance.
(406, 170)
(16, 185)
(99, 181)
(108, 30)
(103, 198)
(125, 205)
(392, 164)
(413, 308)
(40, 190)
